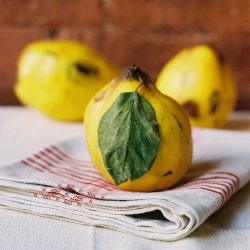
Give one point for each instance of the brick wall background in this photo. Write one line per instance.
(143, 32)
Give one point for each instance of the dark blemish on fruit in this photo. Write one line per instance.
(179, 123)
(191, 108)
(214, 101)
(51, 33)
(86, 69)
(168, 173)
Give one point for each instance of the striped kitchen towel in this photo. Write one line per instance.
(60, 182)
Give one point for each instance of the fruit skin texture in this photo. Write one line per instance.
(175, 149)
(60, 77)
(202, 83)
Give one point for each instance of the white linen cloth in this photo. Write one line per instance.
(221, 159)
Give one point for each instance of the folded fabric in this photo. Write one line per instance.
(61, 182)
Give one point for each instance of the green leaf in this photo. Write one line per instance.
(128, 137)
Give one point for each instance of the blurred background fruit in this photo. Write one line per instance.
(202, 82)
(60, 77)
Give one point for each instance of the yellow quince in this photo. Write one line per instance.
(203, 83)
(138, 139)
(60, 77)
